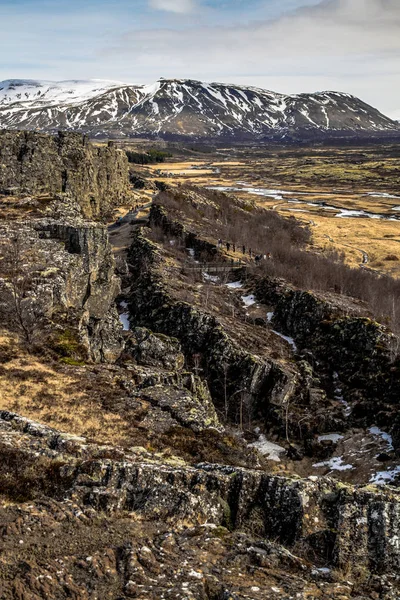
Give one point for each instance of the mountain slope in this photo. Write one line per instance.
(175, 108)
(395, 115)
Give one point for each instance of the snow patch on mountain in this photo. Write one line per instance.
(171, 107)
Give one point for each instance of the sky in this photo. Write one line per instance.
(288, 46)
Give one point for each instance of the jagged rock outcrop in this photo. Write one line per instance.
(352, 349)
(154, 349)
(190, 408)
(354, 529)
(96, 178)
(230, 370)
(74, 286)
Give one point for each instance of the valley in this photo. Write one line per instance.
(177, 419)
(350, 197)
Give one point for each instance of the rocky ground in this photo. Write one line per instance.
(165, 428)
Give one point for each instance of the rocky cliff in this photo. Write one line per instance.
(284, 534)
(74, 288)
(230, 370)
(96, 178)
(356, 351)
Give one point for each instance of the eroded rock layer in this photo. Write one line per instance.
(32, 163)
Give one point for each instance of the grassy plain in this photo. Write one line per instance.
(318, 185)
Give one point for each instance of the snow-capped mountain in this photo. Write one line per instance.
(174, 108)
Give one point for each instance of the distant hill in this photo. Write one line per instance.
(183, 108)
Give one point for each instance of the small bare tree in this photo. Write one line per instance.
(19, 294)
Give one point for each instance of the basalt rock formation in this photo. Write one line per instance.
(351, 530)
(230, 370)
(96, 178)
(75, 287)
(351, 349)
(124, 472)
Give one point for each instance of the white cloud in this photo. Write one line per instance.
(175, 6)
(349, 45)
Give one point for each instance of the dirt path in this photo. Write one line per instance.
(364, 253)
(121, 232)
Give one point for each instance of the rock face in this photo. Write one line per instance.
(354, 350)
(354, 530)
(75, 286)
(190, 408)
(230, 370)
(96, 178)
(154, 350)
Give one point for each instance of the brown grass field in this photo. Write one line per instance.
(348, 179)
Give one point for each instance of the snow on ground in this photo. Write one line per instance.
(249, 300)
(382, 434)
(334, 437)
(321, 570)
(270, 450)
(235, 285)
(385, 477)
(335, 464)
(211, 278)
(270, 316)
(381, 195)
(287, 339)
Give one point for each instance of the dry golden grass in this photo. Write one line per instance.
(328, 176)
(53, 395)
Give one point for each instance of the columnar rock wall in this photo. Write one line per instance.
(97, 178)
(353, 529)
(151, 305)
(362, 353)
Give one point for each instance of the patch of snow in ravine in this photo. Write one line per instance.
(385, 436)
(212, 278)
(270, 316)
(334, 437)
(270, 450)
(385, 477)
(335, 464)
(320, 571)
(249, 300)
(124, 317)
(287, 339)
(235, 285)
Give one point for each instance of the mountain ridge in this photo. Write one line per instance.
(186, 108)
